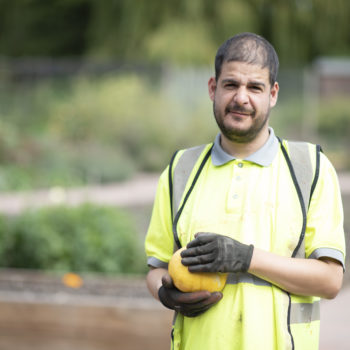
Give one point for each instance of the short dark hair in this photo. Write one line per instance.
(249, 48)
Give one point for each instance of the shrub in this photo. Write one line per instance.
(99, 129)
(87, 238)
(88, 129)
(334, 121)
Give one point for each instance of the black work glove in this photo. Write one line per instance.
(188, 304)
(210, 252)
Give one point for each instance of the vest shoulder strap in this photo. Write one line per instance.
(304, 178)
(300, 158)
(178, 179)
(179, 175)
(300, 166)
(182, 172)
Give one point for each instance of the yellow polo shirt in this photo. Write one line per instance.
(254, 201)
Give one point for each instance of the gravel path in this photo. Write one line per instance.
(138, 191)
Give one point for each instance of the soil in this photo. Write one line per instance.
(39, 312)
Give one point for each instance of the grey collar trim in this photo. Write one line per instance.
(263, 156)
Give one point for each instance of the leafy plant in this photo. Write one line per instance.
(88, 238)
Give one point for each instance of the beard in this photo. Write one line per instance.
(239, 135)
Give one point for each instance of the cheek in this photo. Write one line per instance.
(222, 100)
(263, 104)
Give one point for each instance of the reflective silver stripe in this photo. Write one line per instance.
(235, 278)
(304, 312)
(154, 262)
(300, 158)
(182, 172)
(329, 253)
(299, 313)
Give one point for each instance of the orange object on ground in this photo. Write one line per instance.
(72, 280)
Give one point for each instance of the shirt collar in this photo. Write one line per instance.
(263, 156)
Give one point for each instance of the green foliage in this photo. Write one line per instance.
(334, 130)
(88, 238)
(180, 30)
(46, 28)
(196, 43)
(334, 122)
(34, 153)
(286, 118)
(101, 130)
(98, 130)
(130, 113)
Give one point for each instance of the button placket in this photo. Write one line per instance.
(238, 178)
(235, 195)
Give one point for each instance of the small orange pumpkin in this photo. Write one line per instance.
(187, 281)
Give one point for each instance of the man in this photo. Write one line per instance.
(243, 216)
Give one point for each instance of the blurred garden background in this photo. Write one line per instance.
(98, 93)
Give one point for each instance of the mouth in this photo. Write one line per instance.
(240, 112)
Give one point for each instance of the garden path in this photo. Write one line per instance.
(137, 191)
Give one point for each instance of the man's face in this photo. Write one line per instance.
(242, 99)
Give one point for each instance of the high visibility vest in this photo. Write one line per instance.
(300, 315)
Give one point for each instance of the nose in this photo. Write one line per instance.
(241, 97)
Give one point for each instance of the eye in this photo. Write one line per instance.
(256, 88)
(231, 85)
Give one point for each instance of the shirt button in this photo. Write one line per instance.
(240, 165)
(238, 178)
(235, 196)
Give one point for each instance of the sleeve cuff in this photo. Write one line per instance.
(329, 253)
(154, 262)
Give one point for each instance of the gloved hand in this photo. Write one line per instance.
(188, 304)
(211, 252)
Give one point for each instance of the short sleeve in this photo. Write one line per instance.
(159, 241)
(324, 236)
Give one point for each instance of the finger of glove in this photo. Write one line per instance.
(211, 299)
(165, 298)
(204, 249)
(189, 298)
(194, 313)
(202, 306)
(167, 281)
(198, 260)
(202, 238)
(210, 267)
(173, 296)
(197, 312)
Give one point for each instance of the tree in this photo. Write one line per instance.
(157, 30)
(43, 28)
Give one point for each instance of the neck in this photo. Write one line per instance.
(243, 150)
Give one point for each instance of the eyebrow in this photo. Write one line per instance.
(224, 81)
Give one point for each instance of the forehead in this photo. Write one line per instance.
(244, 71)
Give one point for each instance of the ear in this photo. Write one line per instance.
(274, 94)
(212, 88)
